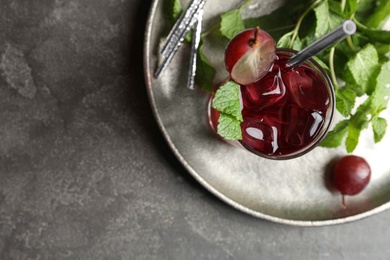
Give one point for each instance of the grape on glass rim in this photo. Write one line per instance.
(250, 55)
(351, 175)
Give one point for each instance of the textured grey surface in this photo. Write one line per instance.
(86, 174)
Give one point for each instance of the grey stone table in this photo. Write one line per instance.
(86, 174)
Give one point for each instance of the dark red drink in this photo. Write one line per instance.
(287, 112)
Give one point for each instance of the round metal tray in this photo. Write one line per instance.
(294, 192)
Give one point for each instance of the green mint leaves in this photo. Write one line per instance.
(232, 23)
(227, 101)
(362, 67)
(327, 20)
(205, 72)
(368, 112)
(229, 127)
(379, 126)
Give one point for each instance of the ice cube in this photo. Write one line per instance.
(303, 126)
(307, 88)
(269, 90)
(259, 135)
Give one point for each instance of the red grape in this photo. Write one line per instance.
(351, 175)
(250, 55)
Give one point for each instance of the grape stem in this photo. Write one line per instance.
(343, 201)
(252, 42)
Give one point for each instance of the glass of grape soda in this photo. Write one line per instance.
(287, 99)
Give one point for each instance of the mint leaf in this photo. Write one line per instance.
(380, 96)
(335, 137)
(285, 42)
(383, 49)
(380, 15)
(356, 124)
(365, 9)
(353, 138)
(377, 35)
(345, 100)
(360, 118)
(297, 44)
(172, 9)
(232, 23)
(379, 126)
(205, 72)
(350, 7)
(326, 19)
(383, 52)
(229, 127)
(363, 65)
(227, 100)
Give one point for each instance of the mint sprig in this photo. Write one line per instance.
(229, 127)
(368, 112)
(227, 101)
(362, 67)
